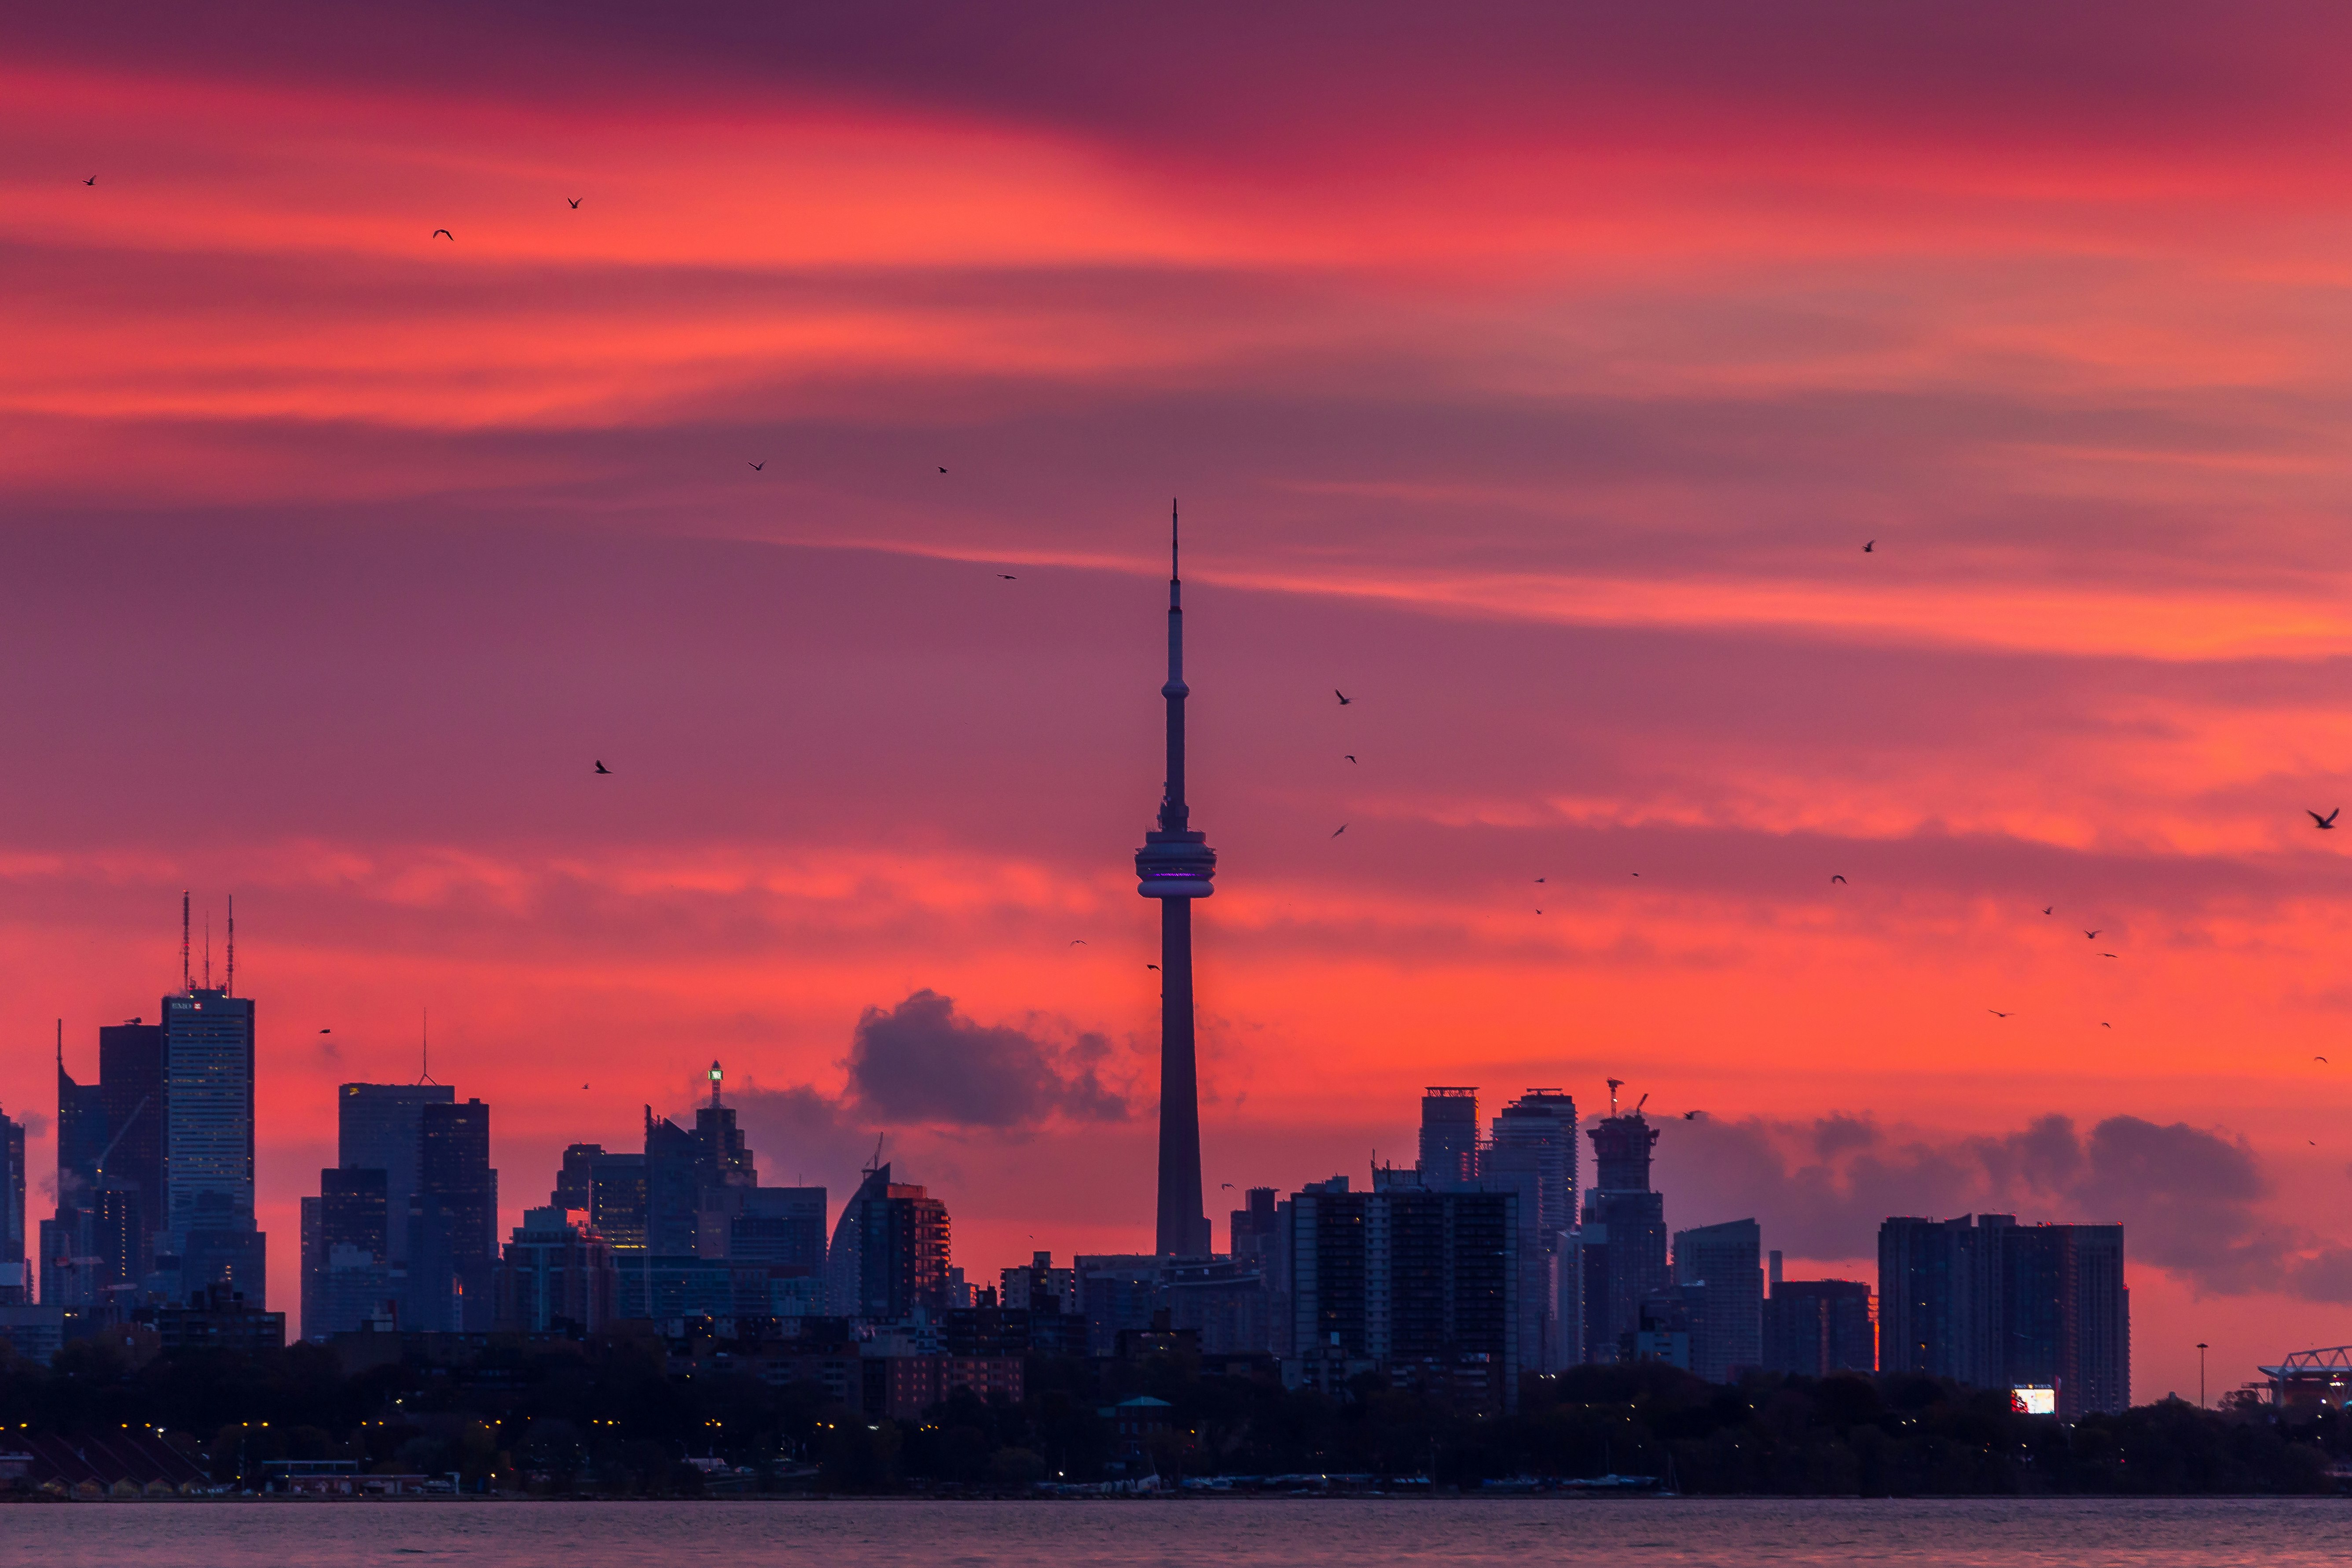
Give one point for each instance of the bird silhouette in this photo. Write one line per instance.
(326, 1031)
(1008, 576)
(1996, 1012)
(1836, 878)
(2049, 909)
(943, 470)
(2091, 936)
(91, 181)
(2105, 1024)
(1539, 911)
(1869, 547)
(1351, 757)
(2319, 1059)
(2106, 955)
(574, 200)
(1077, 941)
(2324, 823)
(1637, 873)
(1539, 878)
(603, 769)
(583, 1086)
(1690, 1116)
(1151, 966)
(1338, 830)
(1227, 1186)
(1343, 697)
(757, 467)
(444, 234)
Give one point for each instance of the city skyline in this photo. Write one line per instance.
(1790, 524)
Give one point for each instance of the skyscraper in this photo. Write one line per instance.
(454, 1219)
(1175, 866)
(132, 1097)
(1533, 1152)
(1419, 1282)
(346, 1267)
(1621, 1245)
(1997, 1304)
(889, 1253)
(208, 1113)
(13, 1274)
(1727, 1317)
(1816, 1327)
(380, 1127)
(1449, 1137)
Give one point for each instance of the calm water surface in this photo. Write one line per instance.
(1275, 1533)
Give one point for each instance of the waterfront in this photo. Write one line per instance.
(1465, 1534)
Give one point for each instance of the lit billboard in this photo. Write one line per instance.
(2033, 1400)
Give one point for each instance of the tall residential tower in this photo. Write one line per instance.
(1174, 866)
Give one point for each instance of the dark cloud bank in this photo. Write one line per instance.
(2192, 1200)
(923, 1066)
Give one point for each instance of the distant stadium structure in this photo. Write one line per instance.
(2312, 1380)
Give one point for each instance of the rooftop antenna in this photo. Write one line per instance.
(184, 976)
(1639, 1104)
(876, 1163)
(425, 1047)
(1614, 1085)
(208, 950)
(62, 1044)
(228, 985)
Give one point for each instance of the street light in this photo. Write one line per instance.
(2200, 1375)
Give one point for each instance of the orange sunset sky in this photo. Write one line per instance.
(1535, 373)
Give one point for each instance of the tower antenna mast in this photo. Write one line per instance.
(186, 978)
(228, 984)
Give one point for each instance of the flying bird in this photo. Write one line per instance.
(2091, 936)
(943, 470)
(2319, 1059)
(1691, 1115)
(1836, 878)
(1008, 576)
(2049, 909)
(2105, 1024)
(1996, 1012)
(445, 234)
(1338, 830)
(91, 181)
(574, 200)
(1343, 697)
(326, 1031)
(1228, 1186)
(1151, 966)
(1077, 941)
(1539, 911)
(1869, 547)
(1351, 757)
(2106, 955)
(2324, 823)
(1637, 873)
(757, 467)
(1539, 878)
(603, 769)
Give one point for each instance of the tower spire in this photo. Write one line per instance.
(228, 982)
(186, 979)
(1175, 866)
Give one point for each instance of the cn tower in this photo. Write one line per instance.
(1174, 866)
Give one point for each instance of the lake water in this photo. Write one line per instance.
(1519, 1533)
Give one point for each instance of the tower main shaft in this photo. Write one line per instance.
(1175, 866)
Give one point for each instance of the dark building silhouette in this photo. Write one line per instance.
(557, 1276)
(1251, 1233)
(1449, 1138)
(346, 1260)
(1621, 1245)
(1421, 1282)
(16, 1279)
(81, 1129)
(672, 1184)
(889, 1253)
(379, 1127)
(208, 1117)
(453, 1220)
(1532, 1151)
(575, 1182)
(132, 1097)
(1175, 866)
(618, 1200)
(1719, 1268)
(1996, 1304)
(778, 1227)
(1816, 1327)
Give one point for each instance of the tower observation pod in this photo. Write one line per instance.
(1175, 866)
